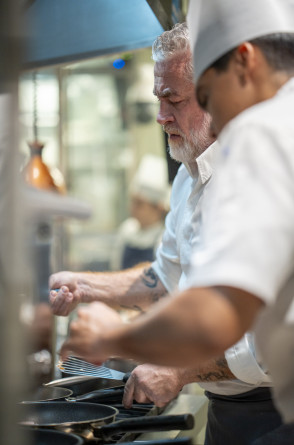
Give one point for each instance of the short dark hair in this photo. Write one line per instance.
(278, 49)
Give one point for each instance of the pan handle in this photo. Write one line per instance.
(176, 441)
(145, 424)
(98, 396)
(126, 376)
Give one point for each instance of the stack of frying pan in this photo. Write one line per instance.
(60, 413)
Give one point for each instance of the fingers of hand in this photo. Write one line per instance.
(151, 384)
(62, 301)
(129, 393)
(134, 391)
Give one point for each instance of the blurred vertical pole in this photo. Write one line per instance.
(12, 270)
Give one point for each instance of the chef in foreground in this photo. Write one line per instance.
(244, 80)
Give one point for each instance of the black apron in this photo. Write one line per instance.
(249, 418)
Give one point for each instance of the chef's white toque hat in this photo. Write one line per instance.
(151, 180)
(217, 26)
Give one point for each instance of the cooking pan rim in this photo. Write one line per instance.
(68, 393)
(74, 379)
(71, 423)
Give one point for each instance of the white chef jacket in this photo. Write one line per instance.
(248, 236)
(183, 230)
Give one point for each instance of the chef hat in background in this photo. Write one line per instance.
(218, 26)
(151, 181)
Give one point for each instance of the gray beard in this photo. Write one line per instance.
(190, 149)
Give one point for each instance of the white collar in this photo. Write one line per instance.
(204, 164)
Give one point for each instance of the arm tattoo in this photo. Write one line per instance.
(220, 373)
(150, 278)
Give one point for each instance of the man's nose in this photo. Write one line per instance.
(164, 114)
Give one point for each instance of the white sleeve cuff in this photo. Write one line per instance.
(243, 364)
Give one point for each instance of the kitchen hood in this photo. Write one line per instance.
(64, 31)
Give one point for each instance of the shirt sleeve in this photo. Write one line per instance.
(167, 264)
(242, 361)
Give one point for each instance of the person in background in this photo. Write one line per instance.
(139, 236)
(237, 379)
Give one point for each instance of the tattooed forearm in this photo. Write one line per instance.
(222, 363)
(152, 281)
(216, 370)
(150, 278)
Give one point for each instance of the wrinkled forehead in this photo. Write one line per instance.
(170, 77)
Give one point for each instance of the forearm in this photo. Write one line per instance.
(135, 288)
(198, 324)
(213, 370)
(161, 384)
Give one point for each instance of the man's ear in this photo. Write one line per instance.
(245, 61)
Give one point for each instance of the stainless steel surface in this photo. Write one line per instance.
(168, 12)
(41, 203)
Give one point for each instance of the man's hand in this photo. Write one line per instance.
(67, 295)
(87, 330)
(150, 383)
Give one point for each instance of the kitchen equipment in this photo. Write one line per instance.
(43, 394)
(141, 424)
(93, 420)
(89, 389)
(178, 441)
(99, 396)
(41, 436)
(83, 384)
(76, 366)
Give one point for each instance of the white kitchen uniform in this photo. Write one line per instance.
(248, 234)
(184, 224)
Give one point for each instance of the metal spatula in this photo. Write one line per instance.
(75, 366)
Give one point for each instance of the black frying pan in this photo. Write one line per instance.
(39, 436)
(81, 384)
(46, 393)
(177, 441)
(110, 395)
(89, 418)
(51, 394)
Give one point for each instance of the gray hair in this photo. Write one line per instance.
(171, 43)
